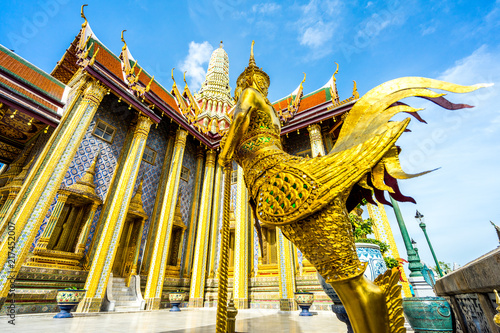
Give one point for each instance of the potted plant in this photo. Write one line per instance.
(176, 298)
(304, 299)
(67, 299)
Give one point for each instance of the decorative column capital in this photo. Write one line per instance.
(200, 152)
(211, 158)
(94, 92)
(62, 197)
(314, 131)
(143, 125)
(180, 137)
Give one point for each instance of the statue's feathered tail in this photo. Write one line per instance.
(363, 160)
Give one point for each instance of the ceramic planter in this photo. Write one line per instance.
(67, 299)
(176, 299)
(428, 314)
(370, 253)
(304, 300)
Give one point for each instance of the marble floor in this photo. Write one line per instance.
(188, 320)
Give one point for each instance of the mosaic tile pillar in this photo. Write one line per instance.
(215, 220)
(195, 204)
(40, 187)
(49, 228)
(199, 271)
(84, 234)
(383, 232)
(114, 219)
(160, 193)
(113, 186)
(286, 272)
(241, 244)
(317, 146)
(156, 273)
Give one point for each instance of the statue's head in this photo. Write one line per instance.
(252, 76)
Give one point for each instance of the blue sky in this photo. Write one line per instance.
(373, 42)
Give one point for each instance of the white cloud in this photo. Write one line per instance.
(194, 64)
(428, 30)
(266, 8)
(318, 22)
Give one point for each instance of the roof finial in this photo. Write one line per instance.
(252, 59)
(83, 16)
(221, 45)
(124, 43)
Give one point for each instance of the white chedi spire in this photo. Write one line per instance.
(216, 82)
(214, 97)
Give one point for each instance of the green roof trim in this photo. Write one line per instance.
(11, 54)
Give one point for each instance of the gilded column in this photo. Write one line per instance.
(156, 273)
(383, 232)
(84, 234)
(215, 220)
(40, 186)
(317, 146)
(199, 271)
(137, 250)
(160, 193)
(241, 244)
(47, 232)
(13, 188)
(188, 258)
(286, 271)
(113, 221)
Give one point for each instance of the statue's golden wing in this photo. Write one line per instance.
(365, 154)
(371, 113)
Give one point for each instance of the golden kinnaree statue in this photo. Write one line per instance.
(307, 197)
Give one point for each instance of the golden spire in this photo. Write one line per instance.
(221, 45)
(252, 58)
(124, 48)
(246, 77)
(85, 185)
(136, 202)
(82, 14)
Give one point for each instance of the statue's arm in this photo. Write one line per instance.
(249, 99)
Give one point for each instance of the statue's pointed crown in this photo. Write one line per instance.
(247, 75)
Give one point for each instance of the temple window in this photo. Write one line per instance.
(234, 176)
(185, 173)
(176, 240)
(104, 131)
(149, 155)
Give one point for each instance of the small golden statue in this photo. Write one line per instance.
(307, 197)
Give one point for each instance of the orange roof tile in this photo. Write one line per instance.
(30, 74)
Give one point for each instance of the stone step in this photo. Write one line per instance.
(120, 298)
(126, 308)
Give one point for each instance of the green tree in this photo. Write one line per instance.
(445, 267)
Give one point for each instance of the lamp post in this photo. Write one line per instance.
(420, 218)
(414, 263)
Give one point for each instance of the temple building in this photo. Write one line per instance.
(111, 184)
